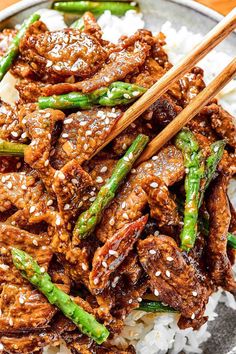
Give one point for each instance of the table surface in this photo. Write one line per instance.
(222, 6)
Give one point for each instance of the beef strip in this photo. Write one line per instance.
(91, 27)
(70, 185)
(80, 344)
(39, 126)
(28, 343)
(108, 258)
(132, 199)
(62, 53)
(23, 308)
(223, 123)
(218, 207)
(172, 279)
(10, 129)
(120, 64)
(83, 133)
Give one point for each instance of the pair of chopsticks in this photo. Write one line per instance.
(210, 41)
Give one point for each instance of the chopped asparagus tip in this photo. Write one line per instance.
(154, 306)
(217, 150)
(11, 149)
(42, 281)
(78, 24)
(7, 60)
(118, 93)
(187, 143)
(88, 220)
(97, 8)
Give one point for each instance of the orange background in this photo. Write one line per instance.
(222, 6)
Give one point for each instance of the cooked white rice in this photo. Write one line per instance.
(154, 333)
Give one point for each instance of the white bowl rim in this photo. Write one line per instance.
(24, 4)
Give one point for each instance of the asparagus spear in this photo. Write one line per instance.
(39, 278)
(118, 93)
(78, 24)
(11, 149)
(88, 220)
(13, 49)
(217, 150)
(97, 8)
(154, 306)
(231, 240)
(187, 143)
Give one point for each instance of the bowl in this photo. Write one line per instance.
(199, 19)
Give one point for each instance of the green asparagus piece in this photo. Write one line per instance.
(118, 93)
(11, 149)
(187, 143)
(232, 240)
(88, 220)
(97, 8)
(217, 150)
(13, 49)
(78, 24)
(154, 306)
(40, 279)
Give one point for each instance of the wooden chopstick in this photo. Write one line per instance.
(214, 37)
(190, 111)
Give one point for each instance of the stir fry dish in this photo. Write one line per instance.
(86, 235)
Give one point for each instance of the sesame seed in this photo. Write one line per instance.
(88, 132)
(24, 187)
(92, 199)
(126, 95)
(82, 123)
(158, 273)
(46, 163)
(154, 158)
(3, 179)
(123, 205)
(86, 147)
(126, 216)
(194, 293)
(61, 175)
(139, 299)
(84, 267)
(156, 233)
(74, 181)
(152, 252)
(80, 204)
(104, 264)
(11, 322)
(15, 134)
(58, 220)
(107, 121)
(99, 179)
(64, 135)
(68, 121)
(168, 274)
(106, 79)
(130, 301)
(193, 316)
(113, 253)
(35, 242)
(47, 115)
(156, 292)
(112, 221)
(104, 169)
(67, 207)
(124, 146)
(24, 135)
(133, 170)
(96, 281)
(154, 185)
(131, 155)
(170, 259)
(42, 270)
(24, 121)
(21, 300)
(135, 93)
(1, 346)
(9, 185)
(32, 209)
(49, 136)
(115, 281)
(49, 202)
(126, 159)
(100, 114)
